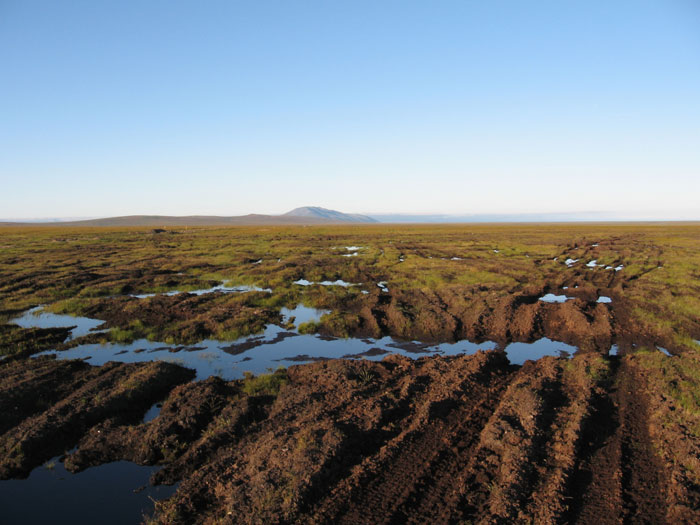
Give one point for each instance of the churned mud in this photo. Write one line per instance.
(434, 440)
(48, 405)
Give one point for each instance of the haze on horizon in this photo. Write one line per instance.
(223, 108)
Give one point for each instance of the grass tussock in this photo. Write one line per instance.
(265, 384)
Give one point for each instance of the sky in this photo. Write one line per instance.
(441, 107)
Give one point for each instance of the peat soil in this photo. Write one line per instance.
(466, 439)
(448, 314)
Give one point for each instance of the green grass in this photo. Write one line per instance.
(678, 378)
(73, 270)
(264, 384)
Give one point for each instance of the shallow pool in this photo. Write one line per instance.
(114, 493)
(276, 346)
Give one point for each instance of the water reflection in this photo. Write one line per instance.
(278, 346)
(551, 298)
(37, 318)
(114, 493)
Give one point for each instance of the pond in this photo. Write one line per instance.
(276, 346)
(114, 493)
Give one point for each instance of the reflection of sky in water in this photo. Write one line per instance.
(518, 353)
(339, 282)
(152, 412)
(276, 346)
(303, 314)
(35, 318)
(551, 298)
(666, 352)
(223, 288)
(103, 494)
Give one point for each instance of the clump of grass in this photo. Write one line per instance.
(73, 306)
(309, 327)
(265, 384)
(365, 375)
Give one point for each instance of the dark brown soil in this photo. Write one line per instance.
(185, 317)
(48, 405)
(434, 440)
(16, 342)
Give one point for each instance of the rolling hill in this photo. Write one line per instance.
(306, 215)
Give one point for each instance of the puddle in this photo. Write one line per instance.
(456, 259)
(551, 298)
(570, 262)
(613, 350)
(353, 249)
(223, 288)
(592, 264)
(303, 314)
(382, 286)
(662, 349)
(36, 318)
(339, 282)
(277, 346)
(604, 299)
(107, 494)
(208, 359)
(616, 268)
(518, 353)
(152, 412)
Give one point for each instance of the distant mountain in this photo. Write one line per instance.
(301, 216)
(311, 215)
(326, 214)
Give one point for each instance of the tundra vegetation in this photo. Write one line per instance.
(602, 437)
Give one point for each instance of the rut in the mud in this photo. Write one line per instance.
(436, 440)
(50, 404)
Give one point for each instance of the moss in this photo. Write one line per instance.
(265, 384)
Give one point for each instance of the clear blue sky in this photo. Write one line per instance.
(165, 107)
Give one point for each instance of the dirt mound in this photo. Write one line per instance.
(445, 316)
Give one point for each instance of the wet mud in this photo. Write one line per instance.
(433, 440)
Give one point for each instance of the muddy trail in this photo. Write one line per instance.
(434, 440)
